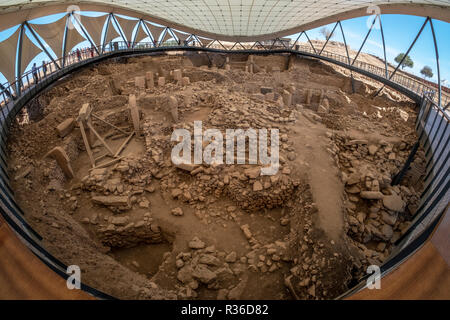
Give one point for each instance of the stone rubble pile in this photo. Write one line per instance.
(377, 213)
(120, 232)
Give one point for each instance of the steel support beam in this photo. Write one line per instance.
(221, 44)
(133, 43)
(331, 34)
(119, 27)
(365, 39)
(174, 36)
(406, 54)
(108, 20)
(348, 56)
(86, 34)
(19, 60)
(384, 48)
(309, 40)
(197, 39)
(66, 30)
(273, 44)
(149, 33)
(437, 63)
(296, 40)
(162, 37)
(40, 43)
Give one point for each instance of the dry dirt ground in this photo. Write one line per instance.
(143, 228)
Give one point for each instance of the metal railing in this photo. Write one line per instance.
(9, 91)
(432, 128)
(408, 83)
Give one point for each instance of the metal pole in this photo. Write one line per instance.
(273, 44)
(66, 31)
(348, 56)
(19, 60)
(119, 27)
(197, 39)
(85, 33)
(310, 43)
(174, 36)
(384, 47)
(106, 32)
(331, 34)
(365, 39)
(136, 33)
(40, 42)
(149, 33)
(221, 44)
(297, 39)
(437, 63)
(163, 36)
(210, 44)
(407, 52)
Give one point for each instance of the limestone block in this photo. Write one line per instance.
(139, 82)
(173, 107)
(65, 127)
(149, 77)
(62, 160)
(134, 112)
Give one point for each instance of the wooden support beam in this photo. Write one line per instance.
(107, 164)
(124, 144)
(100, 138)
(110, 124)
(86, 143)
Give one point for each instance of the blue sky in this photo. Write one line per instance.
(399, 32)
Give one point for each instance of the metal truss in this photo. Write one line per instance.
(192, 38)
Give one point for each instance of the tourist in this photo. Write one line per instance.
(44, 67)
(35, 74)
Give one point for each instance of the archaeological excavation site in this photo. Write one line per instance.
(92, 168)
(224, 159)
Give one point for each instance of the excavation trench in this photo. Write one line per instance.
(140, 226)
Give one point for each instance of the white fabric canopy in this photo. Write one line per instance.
(29, 51)
(127, 26)
(241, 18)
(112, 33)
(155, 31)
(52, 33)
(141, 34)
(73, 38)
(94, 27)
(181, 36)
(8, 50)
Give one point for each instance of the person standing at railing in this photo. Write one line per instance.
(78, 55)
(92, 51)
(44, 68)
(34, 71)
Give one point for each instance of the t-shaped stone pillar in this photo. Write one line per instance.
(62, 160)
